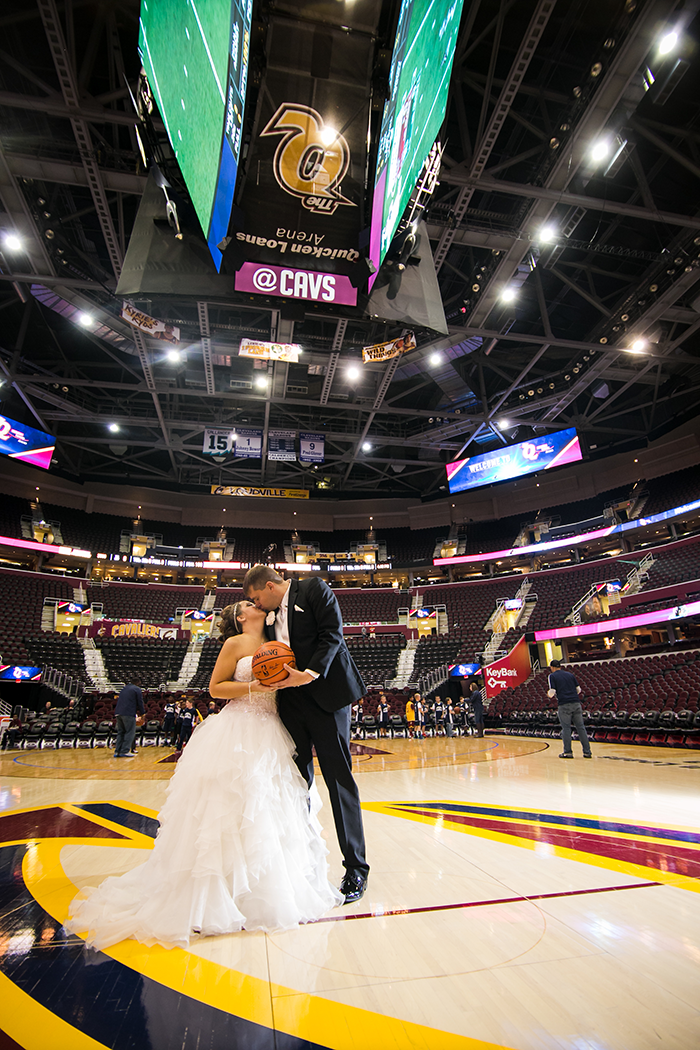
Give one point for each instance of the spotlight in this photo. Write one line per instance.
(508, 295)
(547, 234)
(85, 320)
(601, 149)
(114, 428)
(174, 356)
(261, 382)
(668, 42)
(12, 242)
(504, 424)
(638, 346)
(366, 446)
(435, 359)
(328, 135)
(353, 372)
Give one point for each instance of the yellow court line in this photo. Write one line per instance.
(34, 1027)
(298, 1014)
(640, 871)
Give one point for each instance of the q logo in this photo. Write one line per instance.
(305, 166)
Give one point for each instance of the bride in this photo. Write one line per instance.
(237, 847)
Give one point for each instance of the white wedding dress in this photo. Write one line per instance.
(237, 846)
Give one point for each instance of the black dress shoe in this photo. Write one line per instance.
(353, 886)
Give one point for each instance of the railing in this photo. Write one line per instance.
(61, 682)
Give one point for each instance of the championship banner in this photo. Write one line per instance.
(511, 670)
(395, 347)
(302, 202)
(249, 443)
(150, 325)
(281, 445)
(270, 351)
(239, 490)
(312, 448)
(218, 442)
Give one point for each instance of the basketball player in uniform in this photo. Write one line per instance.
(314, 701)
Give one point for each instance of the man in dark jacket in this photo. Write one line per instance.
(129, 703)
(564, 686)
(314, 701)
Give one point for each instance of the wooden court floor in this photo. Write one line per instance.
(515, 900)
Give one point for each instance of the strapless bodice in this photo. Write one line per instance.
(256, 699)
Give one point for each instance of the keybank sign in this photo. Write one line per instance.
(295, 284)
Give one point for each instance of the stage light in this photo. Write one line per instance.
(85, 320)
(435, 359)
(504, 424)
(12, 242)
(174, 356)
(668, 42)
(638, 346)
(353, 372)
(366, 446)
(547, 234)
(261, 382)
(328, 135)
(601, 149)
(508, 295)
(114, 428)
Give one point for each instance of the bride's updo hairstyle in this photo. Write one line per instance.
(230, 626)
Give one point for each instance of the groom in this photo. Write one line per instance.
(314, 701)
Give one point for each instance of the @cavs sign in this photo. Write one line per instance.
(296, 284)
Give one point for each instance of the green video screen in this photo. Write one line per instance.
(421, 66)
(195, 54)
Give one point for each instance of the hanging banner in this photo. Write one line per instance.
(281, 445)
(312, 448)
(218, 442)
(303, 197)
(511, 670)
(150, 325)
(395, 347)
(240, 490)
(270, 351)
(295, 284)
(249, 444)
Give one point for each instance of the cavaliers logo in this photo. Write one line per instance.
(308, 162)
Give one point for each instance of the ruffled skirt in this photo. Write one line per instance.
(238, 846)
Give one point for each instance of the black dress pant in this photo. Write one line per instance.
(329, 732)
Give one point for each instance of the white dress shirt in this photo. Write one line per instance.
(281, 620)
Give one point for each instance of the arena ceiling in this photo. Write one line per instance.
(598, 254)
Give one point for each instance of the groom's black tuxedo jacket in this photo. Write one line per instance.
(316, 635)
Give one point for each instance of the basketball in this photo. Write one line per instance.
(269, 661)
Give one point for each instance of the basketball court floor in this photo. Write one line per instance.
(515, 900)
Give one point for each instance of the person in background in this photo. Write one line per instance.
(420, 716)
(564, 686)
(439, 709)
(12, 734)
(383, 715)
(179, 711)
(477, 705)
(411, 715)
(169, 709)
(211, 710)
(190, 719)
(449, 718)
(129, 704)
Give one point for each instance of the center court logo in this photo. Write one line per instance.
(309, 285)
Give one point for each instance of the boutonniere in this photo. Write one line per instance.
(270, 618)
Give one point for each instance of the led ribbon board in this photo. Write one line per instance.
(419, 81)
(513, 461)
(196, 58)
(22, 442)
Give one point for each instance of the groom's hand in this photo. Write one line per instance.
(295, 678)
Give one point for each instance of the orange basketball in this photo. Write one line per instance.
(269, 661)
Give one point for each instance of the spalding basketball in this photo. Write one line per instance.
(269, 661)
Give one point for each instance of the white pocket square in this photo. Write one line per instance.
(298, 608)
